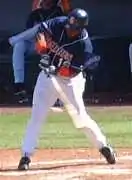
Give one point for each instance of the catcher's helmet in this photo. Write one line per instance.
(77, 19)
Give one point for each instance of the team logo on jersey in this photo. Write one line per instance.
(56, 49)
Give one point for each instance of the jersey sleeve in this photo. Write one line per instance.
(88, 47)
(53, 24)
(49, 26)
(91, 60)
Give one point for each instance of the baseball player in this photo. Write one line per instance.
(48, 9)
(66, 52)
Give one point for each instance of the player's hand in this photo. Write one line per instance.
(92, 62)
(44, 62)
(66, 63)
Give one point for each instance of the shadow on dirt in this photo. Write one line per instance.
(53, 167)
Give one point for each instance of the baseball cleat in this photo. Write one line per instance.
(20, 94)
(24, 163)
(109, 154)
(21, 97)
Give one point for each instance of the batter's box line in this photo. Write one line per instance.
(58, 163)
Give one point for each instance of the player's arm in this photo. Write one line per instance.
(41, 44)
(91, 60)
(49, 27)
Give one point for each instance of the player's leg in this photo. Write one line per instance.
(26, 35)
(44, 96)
(21, 44)
(82, 120)
(20, 49)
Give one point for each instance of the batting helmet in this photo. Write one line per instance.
(77, 19)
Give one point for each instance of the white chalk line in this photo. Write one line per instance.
(72, 171)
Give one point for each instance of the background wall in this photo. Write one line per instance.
(110, 29)
(13, 14)
(107, 17)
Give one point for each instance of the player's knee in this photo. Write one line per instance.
(19, 48)
(20, 45)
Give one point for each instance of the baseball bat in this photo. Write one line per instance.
(69, 107)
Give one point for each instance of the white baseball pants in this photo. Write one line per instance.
(45, 94)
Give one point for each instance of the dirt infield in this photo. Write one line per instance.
(67, 164)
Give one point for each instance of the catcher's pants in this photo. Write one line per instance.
(20, 51)
(45, 94)
(23, 45)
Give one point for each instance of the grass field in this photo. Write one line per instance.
(59, 132)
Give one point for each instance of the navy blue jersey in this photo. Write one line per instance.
(75, 50)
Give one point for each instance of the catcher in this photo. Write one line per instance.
(47, 9)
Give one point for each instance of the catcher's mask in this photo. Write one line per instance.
(76, 21)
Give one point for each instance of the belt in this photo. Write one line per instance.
(67, 72)
(63, 72)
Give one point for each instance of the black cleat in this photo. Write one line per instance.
(24, 163)
(20, 94)
(109, 154)
(21, 97)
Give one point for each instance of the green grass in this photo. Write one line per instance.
(59, 132)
